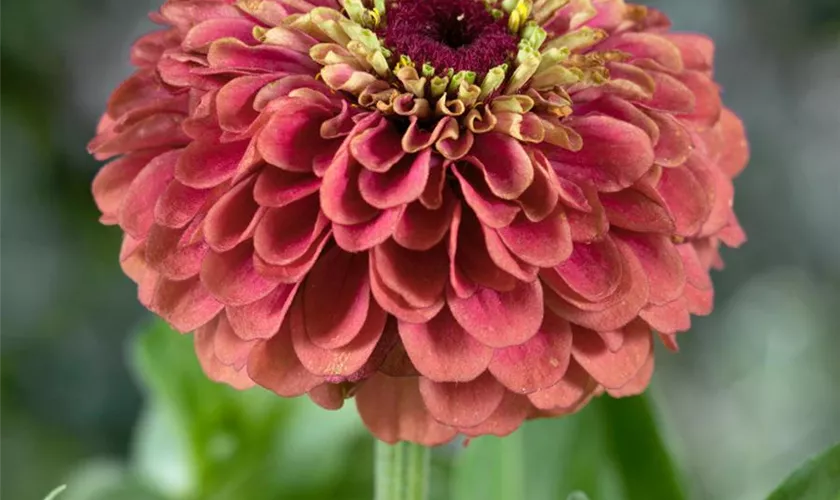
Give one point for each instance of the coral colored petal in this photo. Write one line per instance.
(615, 153)
(178, 205)
(686, 200)
(393, 410)
(637, 384)
(364, 236)
(491, 210)
(378, 148)
(136, 212)
(462, 404)
(421, 228)
(668, 318)
(285, 234)
(574, 387)
(205, 165)
(394, 303)
(344, 361)
(401, 184)
(274, 365)
(276, 187)
(418, 277)
(230, 349)
(509, 415)
(505, 164)
(335, 300)
(261, 319)
(185, 305)
(171, 256)
(613, 369)
(232, 218)
(538, 363)
(617, 310)
(114, 179)
(214, 368)
(661, 262)
(328, 396)
(546, 243)
(292, 141)
(736, 152)
(340, 197)
(593, 271)
(443, 351)
(500, 319)
(636, 210)
(232, 278)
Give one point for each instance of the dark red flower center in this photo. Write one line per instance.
(457, 34)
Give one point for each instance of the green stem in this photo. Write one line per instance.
(402, 471)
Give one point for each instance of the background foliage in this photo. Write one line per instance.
(89, 401)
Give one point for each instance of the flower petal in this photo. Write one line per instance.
(442, 350)
(500, 319)
(462, 404)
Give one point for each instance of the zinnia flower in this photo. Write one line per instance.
(464, 213)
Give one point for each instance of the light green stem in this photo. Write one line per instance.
(402, 471)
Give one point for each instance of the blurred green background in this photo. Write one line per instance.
(89, 402)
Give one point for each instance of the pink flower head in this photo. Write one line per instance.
(464, 213)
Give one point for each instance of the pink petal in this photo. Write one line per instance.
(504, 163)
(546, 356)
(393, 410)
(136, 213)
(509, 415)
(546, 243)
(613, 369)
(574, 387)
(342, 361)
(661, 262)
(185, 305)
(261, 319)
(328, 396)
(340, 197)
(379, 147)
(500, 319)
(401, 184)
(276, 187)
(169, 252)
(708, 105)
(618, 309)
(286, 234)
(114, 179)
(674, 145)
(292, 140)
(179, 204)
(491, 210)
(214, 368)
(668, 318)
(442, 350)
(637, 384)
(274, 365)
(335, 300)
(615, 154)
(421, 228)
(205, 165)
(686, 200)
(593, 271)
(232, 278)
(419, 278)
(364, 236)
(462, 404)
(637, 210)
(232, 218)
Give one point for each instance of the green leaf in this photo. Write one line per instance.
(817, 479)
(57, 491)
(490, 468)
(570, 454)
(199, 439)
(644, 464)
